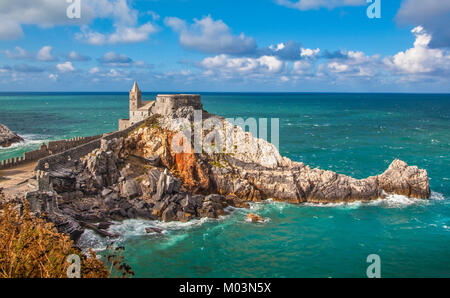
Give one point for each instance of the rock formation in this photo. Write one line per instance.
(7, 137)
(142, 176)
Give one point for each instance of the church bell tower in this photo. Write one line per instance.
(135, 98)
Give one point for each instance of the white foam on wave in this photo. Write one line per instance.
(29, 140)
(391, 201)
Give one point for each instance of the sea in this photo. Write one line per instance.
(352, 134)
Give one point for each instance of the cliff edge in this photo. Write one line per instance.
(7, 137)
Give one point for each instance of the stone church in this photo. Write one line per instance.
(164, 104)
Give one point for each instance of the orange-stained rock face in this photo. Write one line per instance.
(189, 168)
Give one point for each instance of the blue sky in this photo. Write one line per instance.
(225, 45)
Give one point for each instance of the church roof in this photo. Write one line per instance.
(135, 87)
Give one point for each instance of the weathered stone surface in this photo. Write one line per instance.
(255, 217)
(46, 203)
(130, 189)
(7, 137)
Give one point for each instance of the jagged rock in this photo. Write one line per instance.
(153, 230)
(170, 214)
(47, 203)
(7, 137)
(167, 184)
(130, 189)
(255, 217)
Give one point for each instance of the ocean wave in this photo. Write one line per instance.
(391, 201)
(29, 140)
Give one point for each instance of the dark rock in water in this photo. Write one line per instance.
(104, 225)
(153, 230)
(7, 137)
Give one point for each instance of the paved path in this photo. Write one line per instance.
(18, 180)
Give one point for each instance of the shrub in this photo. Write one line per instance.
(30, 247)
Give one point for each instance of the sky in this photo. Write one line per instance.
(225, 46)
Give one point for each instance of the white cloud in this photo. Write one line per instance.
(338, 67)
(301, 67)
(49, 13)
(45, 54)
(44, 13)
(285, 51)
(94, 70)
(53, 77)
(317, 4)
(225, 63)
(126, 26)
(209, 36)
(9, 29)
(65, 67)
(309, 53)
(113, 59)
(420, 59)
(74, 56)
(18, 53)
(132, 34)
(433, 15)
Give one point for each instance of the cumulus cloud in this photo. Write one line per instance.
(290, 50)
(309, 53)
(48, 13)
(74, 56)
(356, 64)
(17, 53)
(433, 15)
(225, 63)
(317, 4)
(53, 77)
(94, 70)
(44, 13)
(114, 59)
(127, 29)
(209, 36)
(421, 59)
(45, 54)
(65, 67)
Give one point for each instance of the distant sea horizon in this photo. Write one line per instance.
(356, 134)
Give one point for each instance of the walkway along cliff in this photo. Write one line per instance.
(136, 173)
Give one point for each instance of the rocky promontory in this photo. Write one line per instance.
(7, 137)
(143, 176)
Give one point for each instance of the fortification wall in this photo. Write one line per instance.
(62, 159)
(47, 149)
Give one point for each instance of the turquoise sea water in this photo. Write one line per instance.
(353, 134)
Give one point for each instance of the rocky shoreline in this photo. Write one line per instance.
(141, 176)
(7, 137)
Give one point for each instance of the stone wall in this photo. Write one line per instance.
(62, 159)
(47, 149)
(124, 124)
(168, 103)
